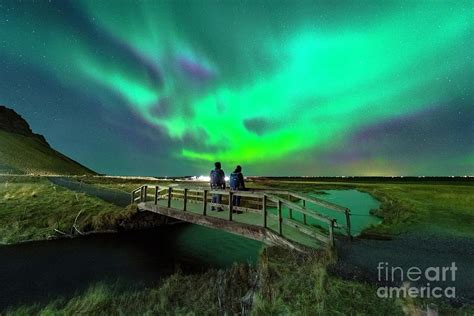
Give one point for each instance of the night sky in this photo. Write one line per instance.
(280, 87)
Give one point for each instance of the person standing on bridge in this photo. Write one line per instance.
(236, 182)
(217, 183)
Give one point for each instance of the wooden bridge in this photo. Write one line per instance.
(275, 217)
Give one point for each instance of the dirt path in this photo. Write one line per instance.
(360, 259)
(116, 197)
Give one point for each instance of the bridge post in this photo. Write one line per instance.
(280, 219)
(264, 209)
(170, 190)
(331, 234)
(348, 223)
(145, 193)
(185, 197)
(304, 215)
(133, 195)
(204, 207)
(230, 205)
(156, 194)
(141, 193)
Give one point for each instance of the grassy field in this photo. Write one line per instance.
(439, 208)
(282, 283)
(27, 155)
(31, 208)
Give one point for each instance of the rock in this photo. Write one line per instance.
(12, 122)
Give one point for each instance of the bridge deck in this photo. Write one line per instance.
(247, 224)
(274, 217)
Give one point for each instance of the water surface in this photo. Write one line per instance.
(44, 270)
(360, 204)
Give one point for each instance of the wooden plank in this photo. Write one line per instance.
(277, 191)
(313, 200)
(220, 192)
(247, 194)
(190, 196)
(246, 209)
(298, 208)
(235, 208)
(223, 206)
(254, 202)
(317, 201)
(306, 230)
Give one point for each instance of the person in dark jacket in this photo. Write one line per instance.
(217, 183)
(236, 182)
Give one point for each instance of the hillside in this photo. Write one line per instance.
(24, 152)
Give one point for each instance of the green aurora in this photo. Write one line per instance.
(282, 87)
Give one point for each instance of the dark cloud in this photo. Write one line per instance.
(258, 126)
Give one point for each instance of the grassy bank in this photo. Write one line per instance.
(32, 208)
(439, 207)
(206, 293)
(447, 209)
(283, 283)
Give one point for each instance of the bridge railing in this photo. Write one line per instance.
(307, 200)
(260, 202)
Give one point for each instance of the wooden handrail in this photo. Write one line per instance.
(300, 209)
(317, 201)
(263, 198)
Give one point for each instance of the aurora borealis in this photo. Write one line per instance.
(280, 87)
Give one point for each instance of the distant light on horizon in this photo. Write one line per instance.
(203, 178)
(206, 178)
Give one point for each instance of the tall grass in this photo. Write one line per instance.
(34, 209)
(283, 283)
(210, 293)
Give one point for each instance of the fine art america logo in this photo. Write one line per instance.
(429, 281)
